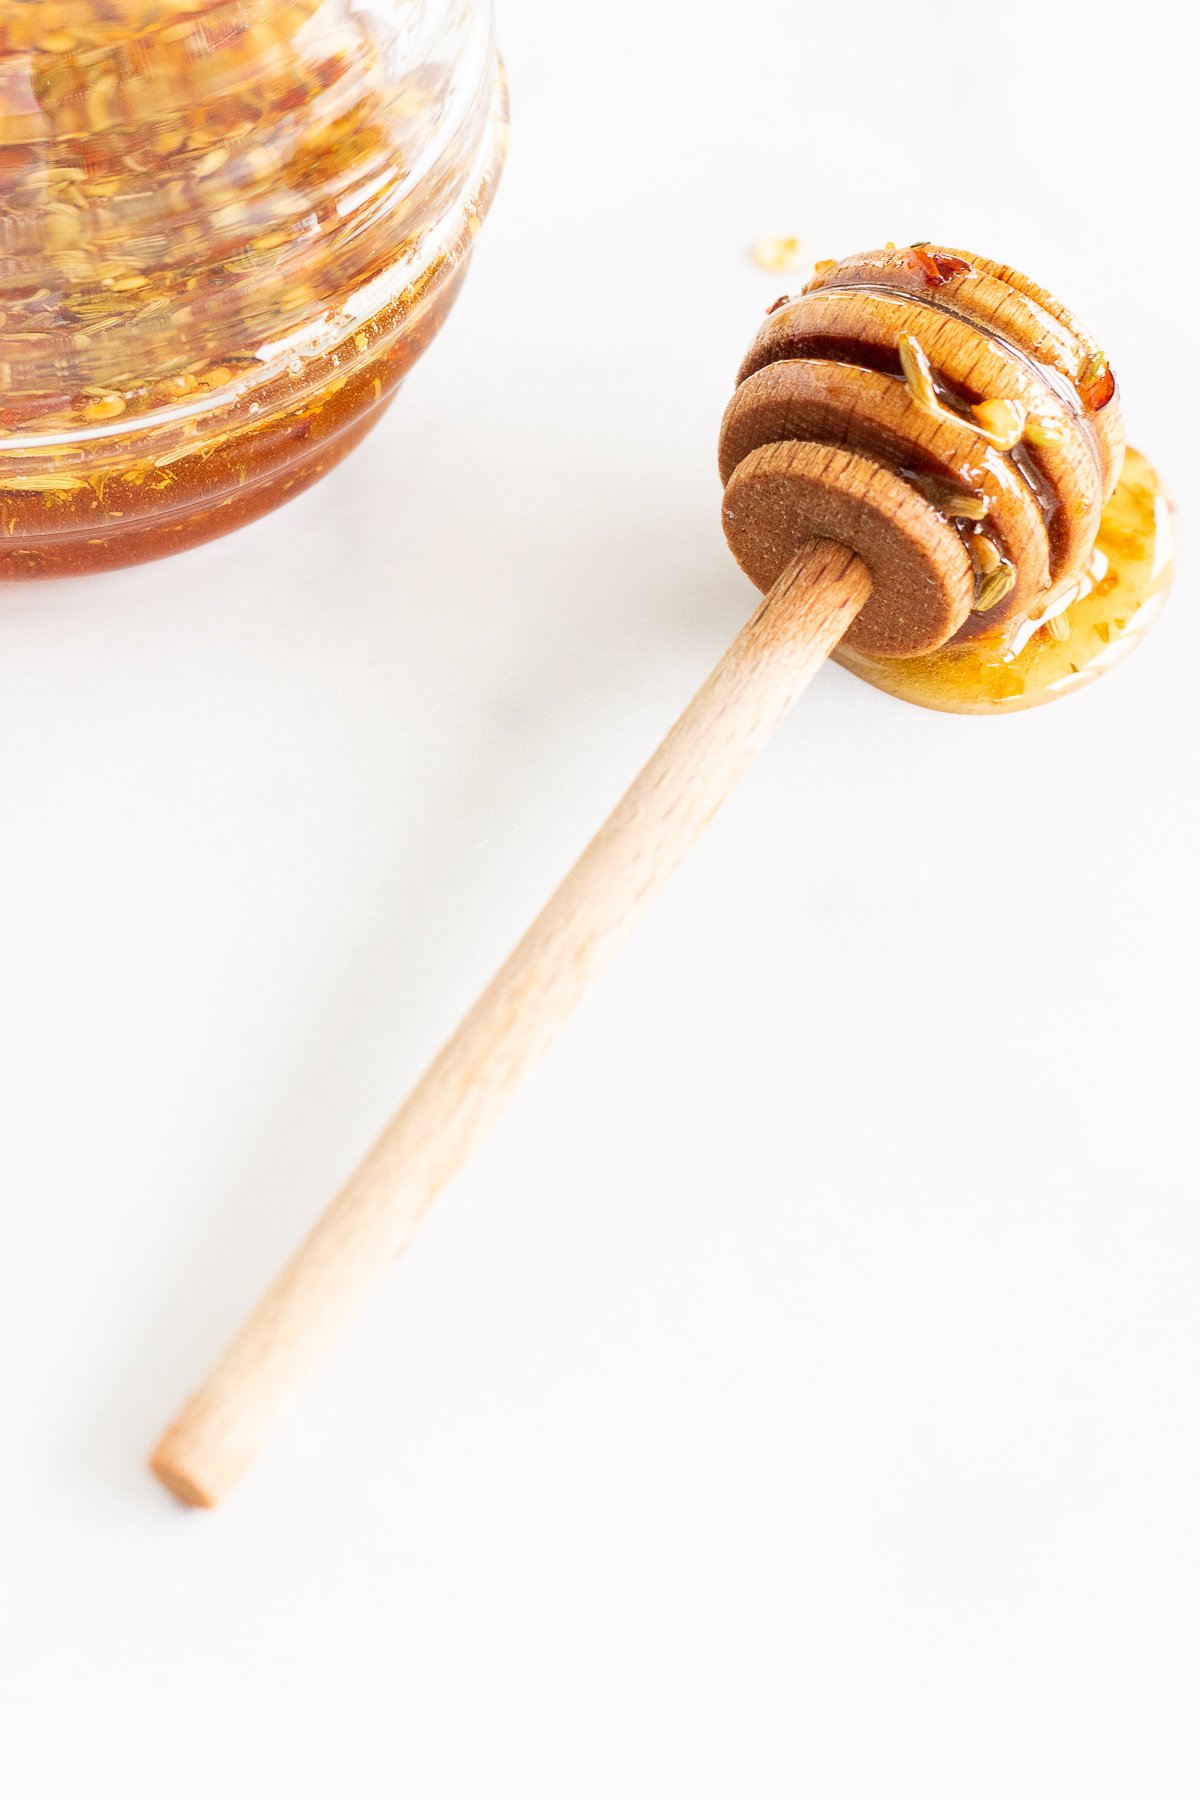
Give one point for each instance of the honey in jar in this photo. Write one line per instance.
(228, 228)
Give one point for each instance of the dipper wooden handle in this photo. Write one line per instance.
(224, 1424)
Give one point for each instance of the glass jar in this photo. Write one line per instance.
(228, 228)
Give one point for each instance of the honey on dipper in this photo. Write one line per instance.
(228, 228)
(925, 472)
(995, 404)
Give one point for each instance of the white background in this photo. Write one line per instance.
(799, 1394)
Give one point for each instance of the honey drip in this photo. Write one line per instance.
(1086, 627)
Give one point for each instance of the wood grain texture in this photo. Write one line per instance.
(225, 1423)
(924, 580)
(1003, 300)
(876, 417)
(864, 327)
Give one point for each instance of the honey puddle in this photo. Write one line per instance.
(1098, 619)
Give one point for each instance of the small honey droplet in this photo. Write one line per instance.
(779, 254)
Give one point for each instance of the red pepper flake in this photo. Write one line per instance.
(936, 269)
(783, 300)
(1097, 384)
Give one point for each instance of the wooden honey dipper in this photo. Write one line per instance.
(918, 450)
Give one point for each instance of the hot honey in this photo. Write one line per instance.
(228, 228)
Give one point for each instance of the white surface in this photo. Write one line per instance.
(799, 1394)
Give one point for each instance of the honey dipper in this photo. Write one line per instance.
(918, 451)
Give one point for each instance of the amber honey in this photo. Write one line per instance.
(228, 228)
